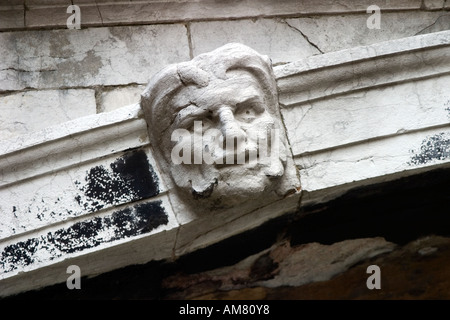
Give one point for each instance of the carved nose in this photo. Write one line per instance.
(229, 126)
(234, 137)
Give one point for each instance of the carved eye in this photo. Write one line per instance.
(203, 123)
(207, 123)
(247, 112)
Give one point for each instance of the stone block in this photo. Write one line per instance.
(442, 23)
(88, 57)
(119, 97)
(272, 37)
(327, 32)
(30, 111)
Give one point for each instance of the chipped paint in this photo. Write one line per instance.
(436, 147)
(129, 222)
(129, 178)
(124, 178)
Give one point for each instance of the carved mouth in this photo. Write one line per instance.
(205, 193)
(237, 160)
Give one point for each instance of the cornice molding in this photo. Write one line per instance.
(361, 68)
(52, 13)
(71, 143)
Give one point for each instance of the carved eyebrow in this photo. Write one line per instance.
(250, 99)
(181, 118)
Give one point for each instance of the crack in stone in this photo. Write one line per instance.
(303, 35)
(99, 12)
(421, 31)
(23, 70)
(189, 37)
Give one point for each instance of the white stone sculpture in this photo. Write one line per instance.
(215, 124)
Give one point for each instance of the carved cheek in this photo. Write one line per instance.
(260, 127)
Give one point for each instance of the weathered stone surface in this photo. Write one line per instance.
(272, 37)
(362, 68)
(287, 6)
(98, 244)
(108, 13)
(92, 201)
(315, 262)
(78, 213)
(359, 116)
(434, 4)
(149, 12)
(404, 127)
(379, 159)
(88, 57)
(200, 231)
(29, 111)
(441, 23)
(33, 204)
(115, 98)
(71, 143)
(327, 32)
(8, 3)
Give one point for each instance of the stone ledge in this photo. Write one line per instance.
(30, 111)
(332, 83)
(375, 113)
(106, 13)
(74, 142)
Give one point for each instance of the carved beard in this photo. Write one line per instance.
(228, 185)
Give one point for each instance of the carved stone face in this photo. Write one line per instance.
(215, 122)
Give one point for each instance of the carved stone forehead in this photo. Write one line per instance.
(218, 92)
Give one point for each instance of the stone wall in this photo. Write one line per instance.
(50, 74)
